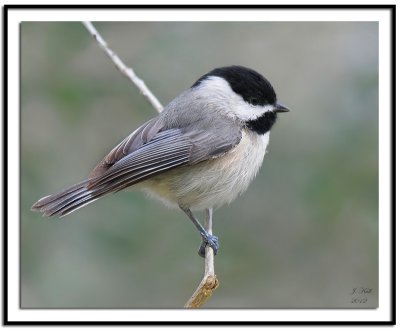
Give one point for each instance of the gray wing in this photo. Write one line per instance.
(131, 143)
(153, 148)
(150, 150)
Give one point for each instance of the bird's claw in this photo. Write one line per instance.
(208, 240)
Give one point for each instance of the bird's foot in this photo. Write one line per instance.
(208, 240)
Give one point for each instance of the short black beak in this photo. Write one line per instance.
(279, 108)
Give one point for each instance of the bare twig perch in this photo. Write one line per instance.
(127, 71)
(209, 282)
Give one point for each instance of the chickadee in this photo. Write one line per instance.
(201, 152)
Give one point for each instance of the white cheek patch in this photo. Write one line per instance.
(236, 107)
(247, 112)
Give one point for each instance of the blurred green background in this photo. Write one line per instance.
(304, 234)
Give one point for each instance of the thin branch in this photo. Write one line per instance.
(209, 282)
(127, 71)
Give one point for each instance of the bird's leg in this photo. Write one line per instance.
(207, 238)
(208, 229)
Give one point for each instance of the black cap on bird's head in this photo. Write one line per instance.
(254, 89)
(249, 84)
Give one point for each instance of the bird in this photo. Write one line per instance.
(199, 153)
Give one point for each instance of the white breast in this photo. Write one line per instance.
(214, 182)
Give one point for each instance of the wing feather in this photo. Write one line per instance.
(131, 143)
(153, 148)
(167, 150)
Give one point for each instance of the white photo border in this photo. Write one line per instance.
(14, 15)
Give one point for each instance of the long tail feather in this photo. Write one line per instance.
(65, 201)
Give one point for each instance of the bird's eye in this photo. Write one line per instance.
(253, 100)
